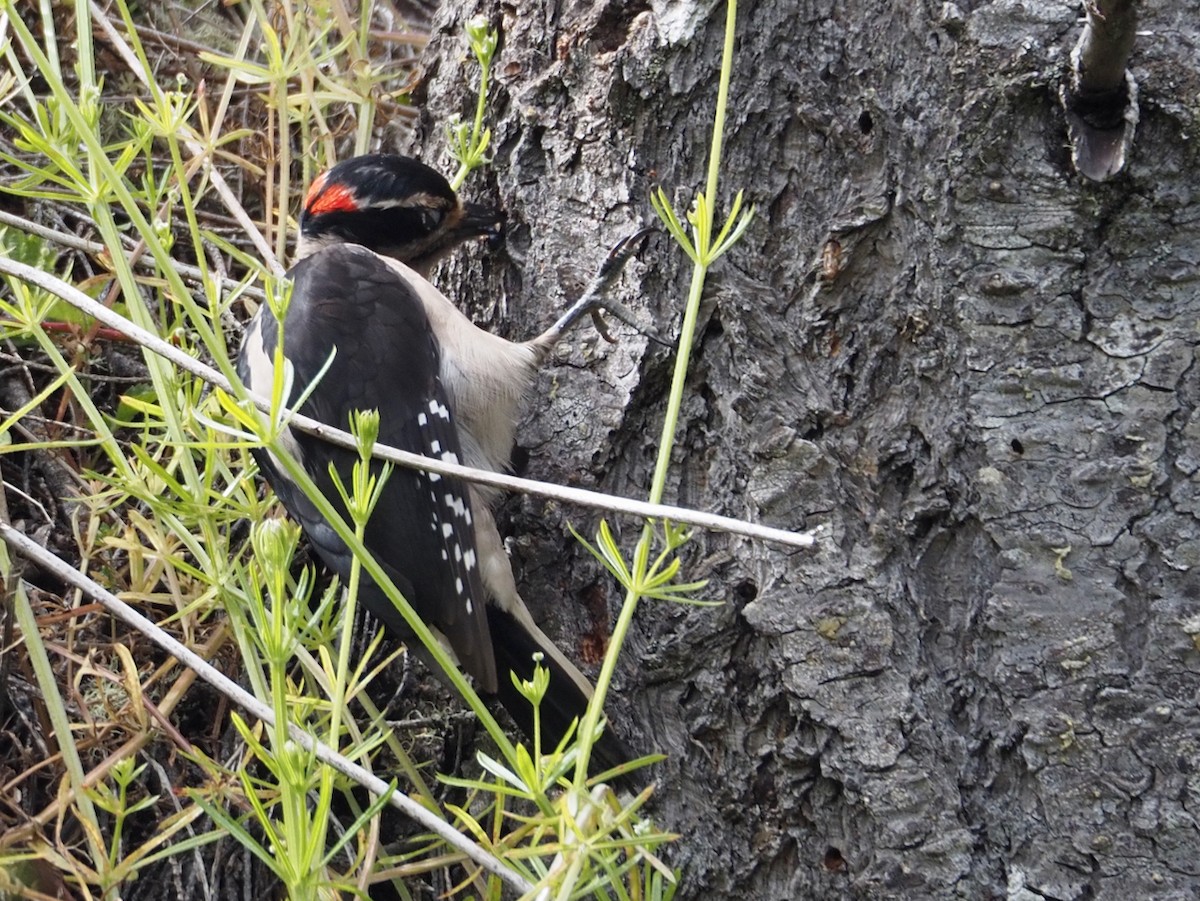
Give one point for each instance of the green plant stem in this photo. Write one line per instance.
(50, 37)
(485, 71)
(331, 515)
(345, 640)
(83, 52)
(675, 399)
(337, 695)
(284, 144)
(718, 134)
(670, 420)
(58, 714)
(278, 677)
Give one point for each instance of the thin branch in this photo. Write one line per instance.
(34, 553)
(408, 460)
(1105, 46)
(95, 248)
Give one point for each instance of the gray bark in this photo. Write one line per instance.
(973, 366)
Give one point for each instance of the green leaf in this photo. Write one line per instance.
(726, 240)
(662, 206)
(609, 555)
(526, 769)
(502, 772)
(359, 824)
(239, 832)
(143, 401)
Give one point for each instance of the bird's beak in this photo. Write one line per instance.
(479, 221)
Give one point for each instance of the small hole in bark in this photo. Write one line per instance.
(865, 122)
(518, 461)
(834, 861)
(745, 592)
(1017, 446)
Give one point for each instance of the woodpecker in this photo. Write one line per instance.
(370, 229)
(393, 205)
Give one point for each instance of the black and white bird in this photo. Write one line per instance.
(369, 230)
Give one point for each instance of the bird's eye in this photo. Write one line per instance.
(431, 220)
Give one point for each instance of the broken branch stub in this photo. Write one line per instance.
(1100, 95)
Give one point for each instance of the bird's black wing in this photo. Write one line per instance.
(421, 529)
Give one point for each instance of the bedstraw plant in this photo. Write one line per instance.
(184, 192)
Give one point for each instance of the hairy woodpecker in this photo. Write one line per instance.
(444, 388)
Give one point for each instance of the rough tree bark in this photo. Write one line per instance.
(973, 366)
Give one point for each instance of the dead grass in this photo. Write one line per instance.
(124, 699)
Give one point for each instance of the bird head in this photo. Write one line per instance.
(393, 205)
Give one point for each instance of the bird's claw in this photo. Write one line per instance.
(622, 251)
(602, 326)
(620, 254)
(621, 312)
(593, 301)
(625, 249)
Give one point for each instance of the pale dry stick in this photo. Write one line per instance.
(580, 496)
(34, 553)
(349, 30)
(196, 148)
(95, 248)
(417, 40)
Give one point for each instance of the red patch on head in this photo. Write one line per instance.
(334, 198)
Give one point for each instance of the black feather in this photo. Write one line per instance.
(343, 296)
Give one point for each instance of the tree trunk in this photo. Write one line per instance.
(972, 366)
